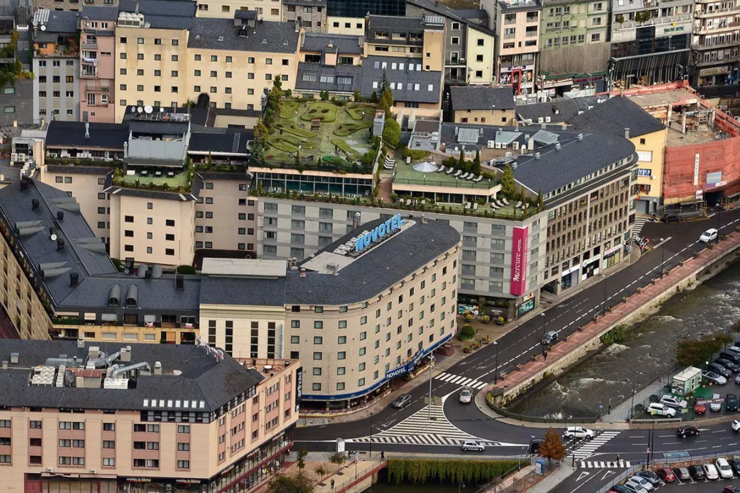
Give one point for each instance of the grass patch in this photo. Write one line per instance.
(358, 112)
(288, 108)
(289, 143)
(323, 110)
(349, 128)
(291, 128)
(346, 148)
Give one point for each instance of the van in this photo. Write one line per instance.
(658, 409)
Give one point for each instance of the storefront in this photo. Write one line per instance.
(526, 306)
(612, 257)
(569, 278)
(590, 267)
(520, 77)
(715, 76)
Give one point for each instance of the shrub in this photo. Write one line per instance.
(468, 317)
(486, 319)
(186, 269)
(392, 132)
(467, 333)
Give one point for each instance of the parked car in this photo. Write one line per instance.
(618, 488)
(725, 471)
(673, 401)
(731, 355)
(731, 403)
(719, 369)
(683, 473)
(735, 465)
(700, 409)
(667, 475)
(716, 404)
(697, 472)
(578, 432)
(730, 365)
(550, 338)
(730, 489)
(710, 472)
(635, 486)
(687, 431)
(402, 401)
(671, 218)
(733, 349)
(658, 409)
(473, 445)
(736, 425)
(737, 380)
(708, 236)
(466, 396)
(650, 476)
(714, 377)
(646, 485)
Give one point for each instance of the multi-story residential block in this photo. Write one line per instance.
(486, 105)
(16, 91)
(517, 26)
(329, 62)
(469, 42)
(266, 10)
(56, 65)
(716, 36)
(98, 64)
(348, 16)
(151, 55)
(108, 418)
(311, 14)
(650, 41)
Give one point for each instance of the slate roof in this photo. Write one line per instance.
(343, 44)
(162, 14)
(267, 37)
(481, 98)
(62, 22)
(242, 291)
(377, 270)
(72, 134)
(202, 378)
(613, 116)
(228, 142)
(353, 71)
(100, 13)
(158, 127)
(400, 24)
(452, 14)
(372, 74)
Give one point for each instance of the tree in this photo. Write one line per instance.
(392, 132)
(321, 471)
(275, 95)
(476, 163)
(374, 97)
(299, 483)
(386, 102)
(384, 83)
(461, 160)
(357, 96)
(508, 186)
(259, 144)
(324, 95)
(302, 453)
(552, 447)
(337, 458)
(698, 351)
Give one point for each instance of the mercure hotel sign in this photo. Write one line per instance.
(379, 232)
(519, 252)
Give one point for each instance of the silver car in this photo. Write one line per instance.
(466, 396)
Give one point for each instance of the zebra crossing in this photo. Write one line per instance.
(639, 223)
(587, 449)
(605, 464)
(461, 381)
(418, 429)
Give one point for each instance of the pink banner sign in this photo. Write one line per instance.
(519, 253)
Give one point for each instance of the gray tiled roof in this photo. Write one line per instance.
(344, 44)
(481, 98)
(72, 134)
(353, 71)
(242, 291)
(390, 261)
(453, 14)
(229, 142)
(221, 34)
(100, 13)
(613, 116)
(158, 127)
(400, 24)
(62, 21)
(371, 73)
(202, 378)
(558, 111)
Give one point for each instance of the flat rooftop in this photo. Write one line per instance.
(676, 97)
(244, 267)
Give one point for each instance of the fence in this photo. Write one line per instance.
(510, 483)
(355, 472)
(538, 419)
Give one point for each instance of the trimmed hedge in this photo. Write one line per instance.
(419, 471)
(349, 128)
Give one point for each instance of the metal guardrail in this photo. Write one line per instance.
(620, 477)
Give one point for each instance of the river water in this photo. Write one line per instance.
(647, 354)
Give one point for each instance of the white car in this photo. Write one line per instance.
(708, 236)
(658, 409)
(736, 425)
(473, 445)
(578, 432)
(635, 486)
(710, 471)
(725, 471)
(646, 485)
(466, 396)
(673, 401)
(717, 405)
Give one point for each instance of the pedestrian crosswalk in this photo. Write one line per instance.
(461, 381)
(586, 449)
(605, 464)
(639, 223)
(418, 429)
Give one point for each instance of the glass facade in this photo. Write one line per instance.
(310, 184)
(360, 8)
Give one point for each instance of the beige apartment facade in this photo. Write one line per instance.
(268, 10)
(98, 65)
(135, 443)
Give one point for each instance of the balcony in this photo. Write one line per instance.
(714, 46)
(90, 45)
(655, 21)
(719, 28)
(88, 72)
(717, 61)
(702, 14)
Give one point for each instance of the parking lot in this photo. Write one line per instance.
(688, 414)
(700, 486)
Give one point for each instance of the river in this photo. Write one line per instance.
(647, 354)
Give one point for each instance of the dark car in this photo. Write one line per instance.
(719, 369)
(730, 365)
(402, 401)
(534, 445)
(666, 474)
(731, 403)
(618, 488)
(730, 355)
(650, 477)
(735, 465)
(671, 218)
(687, 431)
(697, 472)
(683, 473)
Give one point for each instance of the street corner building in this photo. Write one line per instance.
(77, 416)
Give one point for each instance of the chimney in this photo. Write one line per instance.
(60, 244)
(157, 368)
(74, 279)
(627, 133)
(14, 358)
(87, 131)
(536, 155)
(34, 204)
(5, 365)
(80, 343)
(179, 282)
(303, 272)
(456, 130)
(557, 146)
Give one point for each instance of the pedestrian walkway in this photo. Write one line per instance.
(588, 448)
(639, 223)
(623, 411)
(605, 464)
(461, 381)
(418, 429)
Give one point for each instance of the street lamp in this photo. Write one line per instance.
(371, 434)
(543, 324)
(495, 369)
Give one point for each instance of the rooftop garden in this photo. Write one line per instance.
(176, 180)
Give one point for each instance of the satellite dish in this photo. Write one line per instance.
(43, 27)
(161, 110)
(140, 110)
(148, 109)
(133, 109)
(53, 237)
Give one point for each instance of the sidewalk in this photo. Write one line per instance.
(553, 479)
(621, 413)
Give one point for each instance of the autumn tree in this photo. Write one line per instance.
(695, 352)
(552, 447)
(300, 483)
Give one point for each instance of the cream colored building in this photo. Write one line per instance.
(483, 104)
(267, 10)
(346, 25)
(174, 426)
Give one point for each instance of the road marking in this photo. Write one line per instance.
(589, 479)
(583, 475)
(607, 474)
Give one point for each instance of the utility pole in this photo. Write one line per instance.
(495, 370)
(431, 365)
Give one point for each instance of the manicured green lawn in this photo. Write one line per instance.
(288, 108)
(291, 128)
(326, 111)
(346, 148)
(359, 112)
(349, 128)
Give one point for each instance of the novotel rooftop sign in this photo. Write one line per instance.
(391, 225)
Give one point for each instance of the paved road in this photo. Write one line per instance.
(514, 348)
